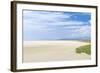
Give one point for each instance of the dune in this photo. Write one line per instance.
(43, 51)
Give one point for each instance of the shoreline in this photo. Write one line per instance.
(31, 43)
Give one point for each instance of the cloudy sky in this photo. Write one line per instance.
(49, 25)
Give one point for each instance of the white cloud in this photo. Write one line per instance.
(82, 32)
(44, 16)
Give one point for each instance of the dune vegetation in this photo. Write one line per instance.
(84, 49)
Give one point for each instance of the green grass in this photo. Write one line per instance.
(84, 49)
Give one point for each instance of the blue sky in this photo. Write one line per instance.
(49, 25)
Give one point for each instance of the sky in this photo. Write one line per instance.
(53, 25)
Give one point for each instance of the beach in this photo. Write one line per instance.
(44, 51)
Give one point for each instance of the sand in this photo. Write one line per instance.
(44, 51)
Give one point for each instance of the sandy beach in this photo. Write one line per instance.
(43, 51)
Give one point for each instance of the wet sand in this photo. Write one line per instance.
(43, 51)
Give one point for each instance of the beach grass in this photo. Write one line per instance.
(84, 49)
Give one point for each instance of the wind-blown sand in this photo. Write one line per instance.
(43, 51)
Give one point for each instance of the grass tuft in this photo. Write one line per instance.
(84, 49)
